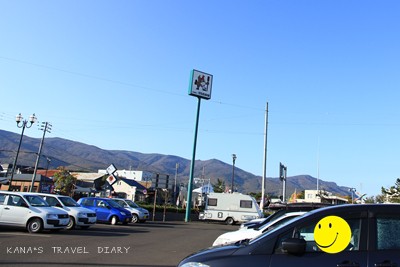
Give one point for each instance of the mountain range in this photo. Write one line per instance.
(76, 156)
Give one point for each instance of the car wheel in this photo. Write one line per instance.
(135, 218)
(229, 221)
(71, 224)
(35, 225)
(113, 220)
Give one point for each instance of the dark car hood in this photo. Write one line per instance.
(211, 252)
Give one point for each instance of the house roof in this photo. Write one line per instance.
(133, 183)
(48, 173)
(90, 176)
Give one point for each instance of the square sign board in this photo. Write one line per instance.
(200, 84)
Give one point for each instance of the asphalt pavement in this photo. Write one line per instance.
(161, 244)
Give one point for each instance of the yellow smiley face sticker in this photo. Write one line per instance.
(332, 234)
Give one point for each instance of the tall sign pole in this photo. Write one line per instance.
(200, 87)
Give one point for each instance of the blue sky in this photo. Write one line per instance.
(115, 74)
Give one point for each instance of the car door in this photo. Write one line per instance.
(15, 211)
(385, 241)
(102, 210)
(354, 254)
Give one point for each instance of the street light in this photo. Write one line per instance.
(24, 124)
(233, 170)
(352, 190)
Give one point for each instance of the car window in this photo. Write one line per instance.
(387, 232)
(132, 204)
(122, 203)
(36, 201)
(15, 200)
(51, 200)
(114, 204)
(2, 198)
(69, 202)
(306, 232)
(101, 203)
(278, 223)
(88, 202)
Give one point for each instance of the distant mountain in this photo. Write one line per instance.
(77, 156)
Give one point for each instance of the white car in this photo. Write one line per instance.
(250, 233)
(28, 210)
(138, 214)
(78, 215)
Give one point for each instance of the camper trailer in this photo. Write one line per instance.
(230, 208)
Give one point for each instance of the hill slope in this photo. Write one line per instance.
(77, 156)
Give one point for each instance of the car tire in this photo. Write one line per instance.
(71, 224)
(35, 225)
(135, 218)
(230, 221)
(114, 220)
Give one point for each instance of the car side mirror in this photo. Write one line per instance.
(23, 204)
(295, 246)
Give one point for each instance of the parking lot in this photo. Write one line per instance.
(149, 244)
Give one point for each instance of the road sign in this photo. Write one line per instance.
(111, 169)
(200, 84)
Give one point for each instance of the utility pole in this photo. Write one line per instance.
(282, 177)
(46, 127)
(265, 160)
(234, 157)
(176, 174)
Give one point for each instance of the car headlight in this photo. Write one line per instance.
(194, 264)
(82, 214)
(123, 213)
(52, 216)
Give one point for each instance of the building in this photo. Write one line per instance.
(23, 182)
(130, 188)
(321, 196)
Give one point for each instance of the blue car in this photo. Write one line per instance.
(107, 210)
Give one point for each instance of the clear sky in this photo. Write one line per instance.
(115, 74)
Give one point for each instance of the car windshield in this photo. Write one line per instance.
(132, 204)
(36, 201)
(113, 204)
(69, 202)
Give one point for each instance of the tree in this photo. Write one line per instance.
(393, 193)
(64, 182)
(219, 187)
(369, 199)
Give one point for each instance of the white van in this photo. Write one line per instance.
(230, 208)
(79, 216)
(30, 211)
